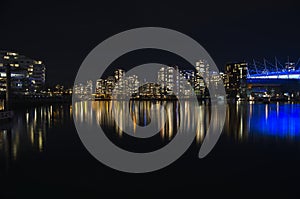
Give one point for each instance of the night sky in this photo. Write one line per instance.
(63, 33)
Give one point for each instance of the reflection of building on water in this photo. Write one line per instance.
(1, 105)
(243, 121)
(140, 112)
(28, 129)
(280, 120)
(236, 123)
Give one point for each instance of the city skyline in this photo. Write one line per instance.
(29, 77)
(239, 80)
(281, 60)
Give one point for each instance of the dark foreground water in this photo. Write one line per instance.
(42, 156)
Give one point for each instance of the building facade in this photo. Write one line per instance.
(235, 80)
(201, 77)
(27, 75)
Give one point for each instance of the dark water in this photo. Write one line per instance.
(42, 156)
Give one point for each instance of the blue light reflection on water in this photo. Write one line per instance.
(280, 120)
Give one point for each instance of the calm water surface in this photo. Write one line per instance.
(42, 155)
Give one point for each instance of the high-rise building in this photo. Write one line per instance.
(189, 77)
(149, 90)
(235, 81)
(162, 79)
(118, 85)
(82, 90)
(100, 87)
(201, 77)
(120, 82)
(110, 85)
(119, 73)
(223, 76)
(27, 75)
(88, 90)
(133, 84)
(169, 79)
(79, 89)
(37, 75)
(216, 81)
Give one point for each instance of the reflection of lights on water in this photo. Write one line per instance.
(241, 127)
(31, 135)
(266, 111)
(170, 120)
(250, 110)
(187, 116)
(2, 104)
(200, 124)
(250, 116)
(281, 120)
(34, 117)
(121, 123)
(29, 131)
(277, 109)
(71, 111)
(81, 113)
(241, 118)
(27, 118)
(15, 151)
(162, 132)
(40, 144)
(140, 113)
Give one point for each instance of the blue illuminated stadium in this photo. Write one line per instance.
(268, 70)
